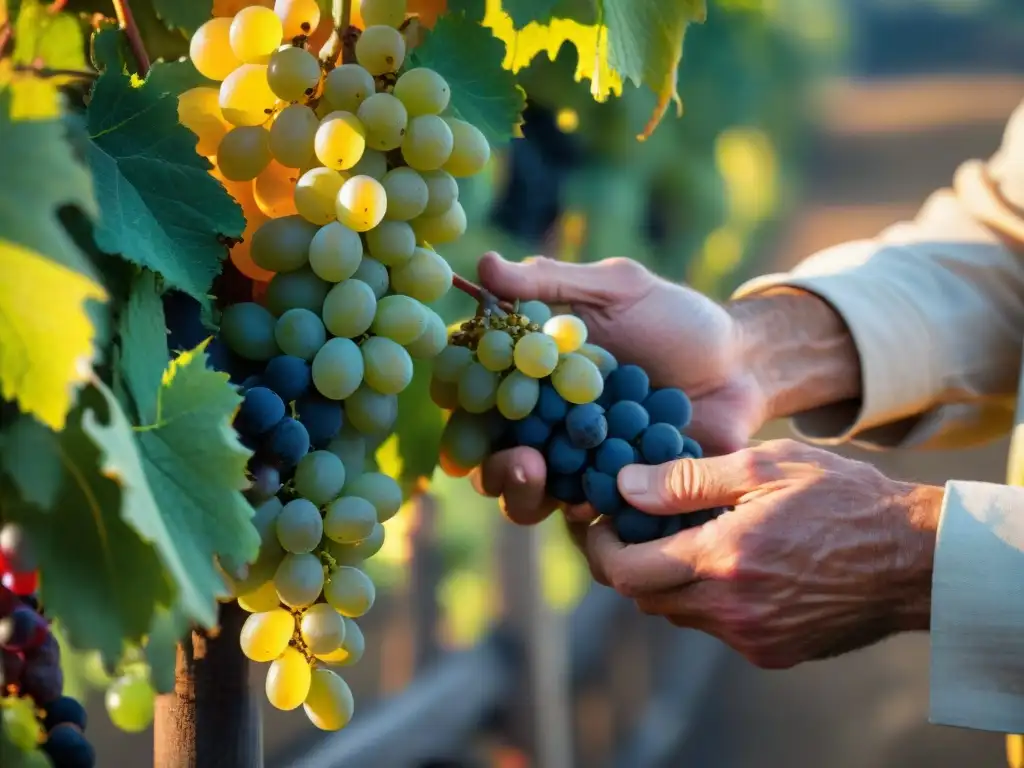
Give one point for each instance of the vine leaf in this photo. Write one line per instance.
(102, 579)
(410, 455)
(646, 40)
(176, 77)
(186, 15)
(186, 468)
(523, 12)
(470, 58)
(162, 210)
(143, 345)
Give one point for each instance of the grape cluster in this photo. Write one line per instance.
(36, 719)
(347, 176)
(531, 379)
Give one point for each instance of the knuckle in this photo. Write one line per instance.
(681, 480)
(623, 267)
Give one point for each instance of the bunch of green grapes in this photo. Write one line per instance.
(347, 175)
(496, 370)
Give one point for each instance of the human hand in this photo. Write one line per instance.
(680, 337)
(821, 554)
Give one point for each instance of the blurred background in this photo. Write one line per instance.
(807, 122)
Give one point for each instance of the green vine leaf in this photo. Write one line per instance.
(522, 12)
(470, 58)
(143, 335)
(186, 15)
(162, 210)
(412, 456)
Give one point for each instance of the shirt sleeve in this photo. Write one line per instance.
(936, 309)
(977, 621)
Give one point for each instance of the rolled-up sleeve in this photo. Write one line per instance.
(936, 309)
(977, 621)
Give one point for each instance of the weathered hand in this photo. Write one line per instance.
(820, 556)
(679, 336)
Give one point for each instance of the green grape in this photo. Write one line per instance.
(329, 705)
(282, 245)
(210, 49)
(470, 150)
(299, 526)
(293, 73)
(494, 350)
(335, 253)
(298, 17)
(432, 341)
(478, 388)
(350, 592)
(451, 362)
(601, 357)
(380, 490)
(131, 702)
(248, 330)
(361, 203)
(407, 194)
(536, 355)
(338, 369)
(385, 119)
(568, 331)
(300, 288)
(349, 519)
(19, 722)
(349, 308)
(392, 243)
(288, 680)
(273, 190)
(351, 650)
(465, 442)
(400, 318)
(427, 144)
(390, 13)
(348, 86)
(199, 111)
(423, 91)
(300, 333)
(264, 636)
(577, 379)
(537, 311)
(349, 446)
(292, 135)
(340, 140)
(243, 153)
(255, 34)
(245, 96)
(322, 629)
(319, 477)
(380, 49)
(360, 551)
(260, 600)
(371, 412)
(444, 394)
(442, 192)
(270, 554)
(446, 228)
(426, 277)
(387, 364)
(315, 193)
(299, 579)
(374, 274)
(373, 163)
(517, 395)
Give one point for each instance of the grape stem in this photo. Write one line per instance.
(486, 299)
(49, 72)
(126, 20)
(341, 18)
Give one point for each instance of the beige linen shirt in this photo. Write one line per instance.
(936, 309)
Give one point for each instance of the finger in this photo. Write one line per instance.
(518, 476)
(695, 602)
(581, 513)
(689, 485)
(578, 533)
(558, 282)
(640, 569)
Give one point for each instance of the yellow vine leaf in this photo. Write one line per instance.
(32, 97)
(47, 348)
(591, 42)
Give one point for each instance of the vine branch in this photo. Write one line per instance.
(126, 20)
(482, 295)
(41, 71)
(341, 20)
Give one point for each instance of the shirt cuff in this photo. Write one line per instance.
(977, 620)
(898, 373)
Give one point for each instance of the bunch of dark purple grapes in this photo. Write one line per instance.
(585, 447)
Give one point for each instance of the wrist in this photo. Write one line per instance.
(916, 510)
(798, 350)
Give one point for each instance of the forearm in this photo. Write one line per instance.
(798, 349)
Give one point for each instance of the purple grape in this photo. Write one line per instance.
(322, 418)
(626, 420)
(260, 412)
(42, 678)
(636, 527)
(288, 442)
(602, 492)
(563, 457)
(586, 425)
(23, 630)
(669, 406)
(628, 382)
(612, 455)
(660, 443)
(65, 710)
(67, 747)
(289, 376)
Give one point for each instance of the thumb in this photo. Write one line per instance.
(559, 282)
(688, 485)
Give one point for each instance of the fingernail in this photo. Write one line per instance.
(519, 475)
(634, 480)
